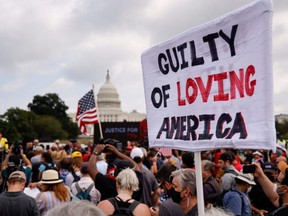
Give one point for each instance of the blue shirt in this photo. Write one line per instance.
(43, 167)
(237, 202)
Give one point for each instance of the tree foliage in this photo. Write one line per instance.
(19, 124)
(49, 128)
(47, 120)
(282, 129)
(49, 104)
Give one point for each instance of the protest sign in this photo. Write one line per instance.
(211, 86)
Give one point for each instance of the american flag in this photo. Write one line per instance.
(86, 112)
(166, 151)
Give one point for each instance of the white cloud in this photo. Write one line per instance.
(14, 85)
(66, 46)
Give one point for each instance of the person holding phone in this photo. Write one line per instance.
(276, 192)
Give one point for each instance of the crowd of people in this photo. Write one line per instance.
(103, 180)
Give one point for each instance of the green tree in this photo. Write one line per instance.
(282, 129)
(71, 128)
(51, 105)
(18, 125)
(49, 128)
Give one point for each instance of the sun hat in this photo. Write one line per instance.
(50, 177)
(248, 178)
(17, 175)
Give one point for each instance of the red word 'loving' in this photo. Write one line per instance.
(241, 83)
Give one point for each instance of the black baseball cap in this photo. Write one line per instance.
(268, 166)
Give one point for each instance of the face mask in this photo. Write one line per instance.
(249, 189)
(176, 196)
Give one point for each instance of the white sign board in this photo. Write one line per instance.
(211, 86)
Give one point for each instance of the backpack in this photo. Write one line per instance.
(122, 211)
(85, 193)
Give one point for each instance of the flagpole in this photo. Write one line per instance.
(99, 121)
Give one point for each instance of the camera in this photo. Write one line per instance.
(249, 168)
(17, 146)
(113, 142)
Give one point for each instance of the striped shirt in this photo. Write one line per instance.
(46, 201)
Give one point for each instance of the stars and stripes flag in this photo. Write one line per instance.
(86, 111)
(166, 151)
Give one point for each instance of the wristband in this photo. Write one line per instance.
(96, 153)
(275, 188)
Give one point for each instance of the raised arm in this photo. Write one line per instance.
(5, 162)
(267, 185)
(92, 168)
(25, 159)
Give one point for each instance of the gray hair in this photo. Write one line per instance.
(76, 208)
(187, 179)
(208, 165)
(127, 179)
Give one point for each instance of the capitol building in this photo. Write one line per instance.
(109, 106)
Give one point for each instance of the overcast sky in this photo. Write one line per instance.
(66, 46)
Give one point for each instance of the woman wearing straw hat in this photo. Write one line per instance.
(53, 191)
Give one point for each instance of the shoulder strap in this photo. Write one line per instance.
(119, 199)
(112, 200)
(90, 187)
(133, 206)
(77, 187)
